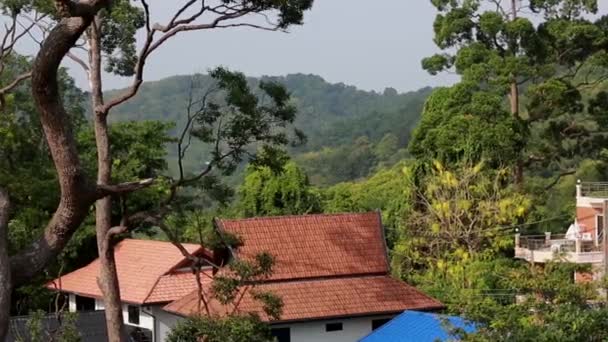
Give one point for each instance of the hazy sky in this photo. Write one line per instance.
(369, 44)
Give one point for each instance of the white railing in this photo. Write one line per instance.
(543, 248)
(592, 189)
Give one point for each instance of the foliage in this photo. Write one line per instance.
(551, 52)
(465, 123)
(244, 328)
(386, 190)
(458, 214)
(267, 193)
(348, 162)
(337, 119)
(38, 331)
(552, 307)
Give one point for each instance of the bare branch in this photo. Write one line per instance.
(79, 61)
(175, 26)
(15, 82)
(558, 177)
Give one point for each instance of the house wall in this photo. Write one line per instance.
(161, 322)
(146, 318)
(164, 322)
(353, 330)
(72, 302)
(586, 217)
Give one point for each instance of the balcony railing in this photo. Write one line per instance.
(593, 189)
(542, 248)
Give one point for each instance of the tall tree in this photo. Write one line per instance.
(540, 55)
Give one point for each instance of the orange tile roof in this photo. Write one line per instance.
(141, 266)
(174, 286)
(311, 246)
(327, 298)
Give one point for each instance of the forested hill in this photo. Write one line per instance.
(350, 131)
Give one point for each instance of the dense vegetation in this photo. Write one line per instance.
(349, 132)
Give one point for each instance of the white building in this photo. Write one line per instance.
(331, 272)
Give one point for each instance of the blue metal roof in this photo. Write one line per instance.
(416, 326)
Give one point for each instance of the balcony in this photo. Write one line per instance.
(592, 189)
(548, 247)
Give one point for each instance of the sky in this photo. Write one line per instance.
(369, 44)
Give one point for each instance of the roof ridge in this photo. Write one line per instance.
(279, 217)
(322, 278)
(156, 241)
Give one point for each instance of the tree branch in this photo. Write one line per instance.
(558, 177)
(171, 29)
(15, 82)
(104, 190)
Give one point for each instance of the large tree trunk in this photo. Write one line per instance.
(77, 193)
(5, 270)
(108, 279)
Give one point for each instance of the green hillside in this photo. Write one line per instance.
(349, 130)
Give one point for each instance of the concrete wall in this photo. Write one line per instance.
(72, 302)
(353, 330)
(146, 319)
(164, 322)
(586, 217)
(161, 322)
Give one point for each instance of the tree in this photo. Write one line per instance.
(465, 123)
(243, 328)
(457, 215)
(78, 191)
(543, 56)
(285, 192)
(553, 308)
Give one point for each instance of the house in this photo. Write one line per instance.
(331, 272)
(416, 326)
(151, 275)
(581, 243)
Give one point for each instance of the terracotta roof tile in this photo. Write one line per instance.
(311, 246)
(175, 286)
(139, 263)
(326, 298)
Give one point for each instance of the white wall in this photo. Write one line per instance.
(164, 322)
(72, 302)
(352, 330)
(99, 304)
(146, 321)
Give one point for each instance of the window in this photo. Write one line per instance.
(85, 303)
(377, 323)
(281, 334)
(133, 314)
(333, 327)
